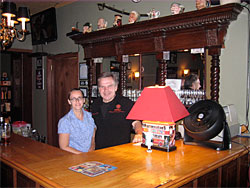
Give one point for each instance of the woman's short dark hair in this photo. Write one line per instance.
(74, 89)
(108, 74)
(189, 80)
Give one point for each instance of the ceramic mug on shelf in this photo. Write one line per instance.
(223, 2)
(153, 14)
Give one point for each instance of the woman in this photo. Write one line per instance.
(192, 82)
(77, 128)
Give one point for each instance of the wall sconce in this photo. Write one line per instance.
(136, 75)
(185, 72)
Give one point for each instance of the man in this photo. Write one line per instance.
(176, 8)
(87, 28)
(101, 24)
(117, 21)
(133, 17)
(200, 4)
(192, 82)
(110, 112)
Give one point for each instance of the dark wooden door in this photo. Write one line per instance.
(62, 75)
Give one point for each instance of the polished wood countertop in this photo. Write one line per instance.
(49, 165)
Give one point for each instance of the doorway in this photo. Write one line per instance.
(17, 68)
(62, 76)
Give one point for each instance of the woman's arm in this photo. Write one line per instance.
(64, 143)
(92, 147)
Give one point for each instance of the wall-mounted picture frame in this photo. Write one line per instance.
(83, 82)
(84, 91)
(39, 63)
(173, 57)
(114, 66)
(40, 79)
(94, 91)
(83, 71)
(129, 66)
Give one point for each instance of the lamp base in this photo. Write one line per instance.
(172, 148)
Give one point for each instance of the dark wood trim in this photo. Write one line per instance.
(219, 176)
(50, 97)
(14, 178)
(17, 50)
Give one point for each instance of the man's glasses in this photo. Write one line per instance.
(76, 99)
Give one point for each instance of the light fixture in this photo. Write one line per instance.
(9, 18)
(159, 108)
(137, 74)
(185, 72)
(136, 1)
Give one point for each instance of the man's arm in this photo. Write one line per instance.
(138, 131)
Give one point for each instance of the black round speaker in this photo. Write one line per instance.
(205, 121)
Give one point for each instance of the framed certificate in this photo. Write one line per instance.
(83, 71)
(94, 91)
(84, 91)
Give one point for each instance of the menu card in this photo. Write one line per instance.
(92, 168)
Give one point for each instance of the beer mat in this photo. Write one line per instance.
(92, 168)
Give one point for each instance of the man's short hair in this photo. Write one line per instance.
(108, 74)
(189, 80)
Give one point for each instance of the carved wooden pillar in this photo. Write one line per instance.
(215, 73)
(122, 75)
(162, 72)
(90, 63)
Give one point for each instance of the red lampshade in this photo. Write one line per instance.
(158, 104)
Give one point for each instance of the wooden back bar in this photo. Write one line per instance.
(205, 28)
(48, 166)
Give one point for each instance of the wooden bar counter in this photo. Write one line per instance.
(27, 163)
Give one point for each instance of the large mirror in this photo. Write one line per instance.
(143, 70)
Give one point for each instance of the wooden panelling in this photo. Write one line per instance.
(6, 175)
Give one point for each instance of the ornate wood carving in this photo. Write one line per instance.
(162, 72)
(90, 64)
(158, 43)
(212, 37)
(123, 77)
(215, 72)
(215, 77)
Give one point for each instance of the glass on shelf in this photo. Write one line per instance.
(132, 94)
(189, 97)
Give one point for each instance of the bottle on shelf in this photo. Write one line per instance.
(1, 127)
(6, 131)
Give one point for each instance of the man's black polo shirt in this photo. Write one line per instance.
(110, 118)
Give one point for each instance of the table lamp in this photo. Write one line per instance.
(159, 108)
